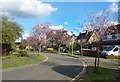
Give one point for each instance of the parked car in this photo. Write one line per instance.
(115, 50)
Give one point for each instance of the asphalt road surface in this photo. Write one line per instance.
(57, 67)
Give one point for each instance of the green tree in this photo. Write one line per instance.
(10, 31)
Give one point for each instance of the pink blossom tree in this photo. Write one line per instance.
(60, 37)
(39, 35)
(100, 24)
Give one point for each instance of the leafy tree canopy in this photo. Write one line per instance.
(10, 30)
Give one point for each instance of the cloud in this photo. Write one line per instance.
(113, 7)
(69, 33)
(26, 35)
(112, 0)
(25, 8)
(57, 27)
(18, 40)
(66, 23)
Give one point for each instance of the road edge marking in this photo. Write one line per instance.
(83, 70)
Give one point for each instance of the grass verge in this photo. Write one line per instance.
(12, 56)
(114, 57)
(104, 73)
(78, 56)
(29, 61)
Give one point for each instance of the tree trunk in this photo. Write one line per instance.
(59, 48)
(39, 50)
(98, 63)
(95, 61)
(98, 60)
(81, 50)
(69, 47)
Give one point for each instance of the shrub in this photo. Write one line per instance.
(112, 57)
(91, 52)
(12, 56)
(10, 46)
(14, 50)
(23, 53)
(76, 52)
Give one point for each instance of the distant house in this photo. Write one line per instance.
(17, 45)
(87, 39)
(113, 38)
(29, 47)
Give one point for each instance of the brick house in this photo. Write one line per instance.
(87, 39)
(112, 39)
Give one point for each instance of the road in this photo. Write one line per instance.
(57, 67)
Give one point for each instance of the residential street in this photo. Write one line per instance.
(57, 67)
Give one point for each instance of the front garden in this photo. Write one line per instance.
(16, 59)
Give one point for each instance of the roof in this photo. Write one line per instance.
(85, 35)
(17, 43)
(111, 42)
(117, 30)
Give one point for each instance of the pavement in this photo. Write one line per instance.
(57, 67)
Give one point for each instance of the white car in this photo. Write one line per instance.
(115, 50)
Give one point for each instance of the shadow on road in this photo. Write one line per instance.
(68, 70)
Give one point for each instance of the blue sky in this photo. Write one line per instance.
(71, 12)
(55, 12)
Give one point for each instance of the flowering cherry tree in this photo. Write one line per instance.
(101, 25)
(39, 35)
(60, 37)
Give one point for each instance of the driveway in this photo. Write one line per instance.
(57, 67)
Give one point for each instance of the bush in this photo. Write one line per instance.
(75, 52)
(14, 50)
(112, 57)
(10, 46)
(23, 53)
(77, 48)
(12, 56)
(91, 52)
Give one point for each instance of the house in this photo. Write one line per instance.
(113, 38)
(17, 45)
(87, 39)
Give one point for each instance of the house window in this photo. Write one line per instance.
(83, 40)
(109, 37)
(78, 40)
(116, 49)
(114, 36)
(94, 48)
(118, 36)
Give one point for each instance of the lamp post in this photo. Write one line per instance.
(72, 43)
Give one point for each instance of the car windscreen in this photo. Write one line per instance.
(109, 48)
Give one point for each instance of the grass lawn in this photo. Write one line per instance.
(104, 73)
(29, 61)
(78, 56)
(0, 59)
(117, 57)
(11, 57)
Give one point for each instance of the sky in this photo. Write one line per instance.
(61, 14)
